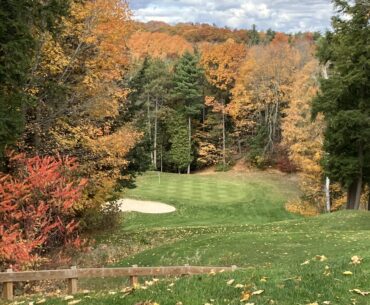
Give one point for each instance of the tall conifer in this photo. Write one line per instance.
(344, 98)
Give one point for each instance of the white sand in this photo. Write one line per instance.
(147, 207)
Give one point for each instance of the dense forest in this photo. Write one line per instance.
(90, 98)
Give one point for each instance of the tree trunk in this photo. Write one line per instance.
(161, 158)
(358, 193)
(351, 196)
(189, 144)
(223, 136)
(354, 194)
(155, 135)
(327, 193)
(359, 180)
(368, 198)
(150, 129)
(204, 116)
(38, 128)
(240, 147)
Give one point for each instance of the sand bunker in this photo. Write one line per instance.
(147, 207)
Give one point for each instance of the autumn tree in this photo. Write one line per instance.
(158, 45)
(221, 64)
(344, 98)
(262, 93)
(305, 138)
(80, 96)
(37, 208)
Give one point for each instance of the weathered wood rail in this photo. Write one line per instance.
(72, 275)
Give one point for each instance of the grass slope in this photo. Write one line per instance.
(235, 219)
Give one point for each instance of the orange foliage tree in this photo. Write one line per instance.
(37, 208)
(158, 45)
(87, 61)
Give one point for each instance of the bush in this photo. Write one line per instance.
(37, 208)
(282, 161)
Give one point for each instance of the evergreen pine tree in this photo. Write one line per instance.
(344, 98)
(180, 146)
(254, 37)
(188, 90)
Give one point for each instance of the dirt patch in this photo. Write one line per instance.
(146, 207)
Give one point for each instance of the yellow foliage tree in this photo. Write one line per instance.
(262, 91)
(304, 139)
(221, 64)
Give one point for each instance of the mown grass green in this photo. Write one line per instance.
(211, 200)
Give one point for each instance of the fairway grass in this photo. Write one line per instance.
(236, 219)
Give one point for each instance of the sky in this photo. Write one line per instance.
(279, 15)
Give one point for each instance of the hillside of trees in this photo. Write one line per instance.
(90, 99)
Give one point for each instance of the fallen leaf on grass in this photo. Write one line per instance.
(239, 286)
(112, 292)
(347, 273)
(40, 301)
(305, 262)
(356, 260)
(327, 271)
(321, 258)
(358, 291)
(127, 290)
(245, 296)
(68, 297)
(314, 303)
(230, 282)
(258, 292)
(264, 279)
(326, 302)
(74, 302)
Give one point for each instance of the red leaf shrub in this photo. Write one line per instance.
(36, 208)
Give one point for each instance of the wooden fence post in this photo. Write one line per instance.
(186, 270)
(134, 281)
(73, 283)
(8, 289)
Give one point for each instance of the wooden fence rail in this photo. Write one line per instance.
(72, 275)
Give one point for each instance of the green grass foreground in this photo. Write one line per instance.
(237, 219)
